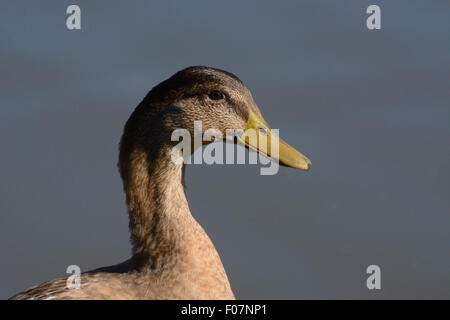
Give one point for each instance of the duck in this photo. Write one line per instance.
(172, 255)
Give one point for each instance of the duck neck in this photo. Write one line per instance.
(166, 238)
(157, 205)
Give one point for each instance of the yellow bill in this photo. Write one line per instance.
(258, 137)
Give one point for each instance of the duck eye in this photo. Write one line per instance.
(216, 95)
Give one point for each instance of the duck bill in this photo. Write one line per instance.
(258, 136)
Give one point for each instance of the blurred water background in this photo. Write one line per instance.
(371, 109)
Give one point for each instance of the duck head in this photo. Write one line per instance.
(218, 99)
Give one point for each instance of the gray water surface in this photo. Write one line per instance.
(371, 109)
